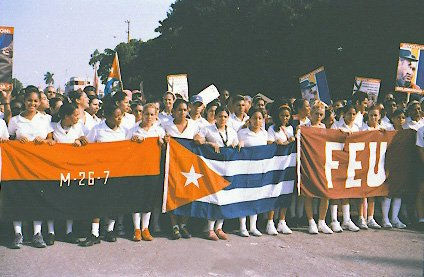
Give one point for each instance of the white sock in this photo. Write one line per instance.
(17, 226)
(211, 224)
(69, 223)
(346, 212)
(311, 222)
(50, 226)
(37, 227)
(385, 208)
(299, 206)
(397, 203)
(110, 225)
(293, 206)
(242, 223)
(136, 220)
(146, 220)
(370, 218)
(219, 224)
(333, 211)
(321, 222)
(95, 229)
(253, 219)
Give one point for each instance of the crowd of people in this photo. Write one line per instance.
(81, 118)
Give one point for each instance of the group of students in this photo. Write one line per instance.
(228, 122)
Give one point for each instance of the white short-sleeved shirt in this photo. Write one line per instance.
(235, 123)
(89, 123)
(38, 126)
(102, 133)
(359, 120)
(345, 128)
(128, 121)
(69, 135)
(304, 122)
(420, 137)
(4, 133)
(365, 127)
(189, 132)
(321, 125)
(212, 134)
(250, 138)
(154, 131)
(283, 134)
(202, 122)
(411, 124)
(165, 118)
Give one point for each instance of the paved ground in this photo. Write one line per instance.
(367, 253)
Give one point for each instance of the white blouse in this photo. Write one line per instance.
(128, 121)
(235, 123)
(69, 135)
(250, 138)
(189, 132)
(420, 137)
(283, 134)
(4, 133)
(38, 126)
(154, 131)
(222, 139)
(102, 133)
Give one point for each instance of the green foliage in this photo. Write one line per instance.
(265, 45)
(48, 78)
(17, 86)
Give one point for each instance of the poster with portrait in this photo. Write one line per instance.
(410, 68)
(178, 84)
(6, 57)
(314, 86)
(370, 86)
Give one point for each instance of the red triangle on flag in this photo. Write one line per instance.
(187, 177)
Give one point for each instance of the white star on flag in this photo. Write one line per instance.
(192, 177)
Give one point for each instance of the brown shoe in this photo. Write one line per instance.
(145, 234)
(137, 235)
(212, 236)
(221, 234)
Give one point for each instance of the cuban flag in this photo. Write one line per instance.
(114, 75)
(201, 183)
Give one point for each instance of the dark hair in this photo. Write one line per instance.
(220, 109)
(257, 110)
(119, 96)
(178, 102)
(67, 109)
(348, 107)
(109, 109)
(214, 103)
(30, 90)
(89, 88)
(54, 100)
(397, 113)
(256, 100)
(91, 98)
(74, 95)
(237, 98)
(170, 93)
(276, 109)
(359, 96)
(298, 104)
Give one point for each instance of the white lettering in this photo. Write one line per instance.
(82, 175)
(107, 175)
(354, 164)
(329, 162)
(375, 180)
(91, 178)
(66, 180)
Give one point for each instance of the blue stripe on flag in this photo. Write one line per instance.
(109, 84)
(260, 180)
(241, 209)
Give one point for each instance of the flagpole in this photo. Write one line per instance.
(119, 70)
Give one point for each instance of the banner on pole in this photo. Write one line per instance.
(6, 57)
(368, 85)
(178, 84)
(314, 86)
(410, 69)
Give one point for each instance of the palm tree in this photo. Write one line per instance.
(48, 78)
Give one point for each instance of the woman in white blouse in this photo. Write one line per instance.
(122, 100)
(146, 129)
(218, 135)
(28, 126)
(254, 135)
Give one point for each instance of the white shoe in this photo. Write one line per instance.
(387, 225)
(283, 228)
(244, 233)
(270, 228)
(323, 228)
(313, 229)
(398, 224)
(335, 226)
(362, 223)
(255, 232)
(373, 224)
(350, 226)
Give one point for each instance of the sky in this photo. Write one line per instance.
(58, 36)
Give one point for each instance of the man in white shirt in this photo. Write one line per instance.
(414, 120)
(239, 117)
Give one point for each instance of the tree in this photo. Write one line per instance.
(48, 78)
(17, 86)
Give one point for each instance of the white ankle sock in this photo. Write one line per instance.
(397, 203)
(219, 224)
(211, 224)
(69, 223)
(346, 212)
(17, 226)
(95, 229)
(110, 225)
(136, 220)
(50, 226)
(145, 220)
(253, 219)
(242, 223)
(311, 222)
(385, 208)
(37, 227)
(370, 218)
(333, 211)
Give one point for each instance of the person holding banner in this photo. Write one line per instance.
(317, 115)
(108, 131)
(180, 127)
(94, 107)
(346, 124)
(280, 133)
(28, 126)
(254, 135)
(360, 99)
(168, 102)
(414, 120)
(196, 110)
(67, 130)
(211, 111)
(238, 119)
(80, 99)
(146, 129)
(122, 100)
(218, 135)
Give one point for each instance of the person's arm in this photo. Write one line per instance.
(6, 96)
